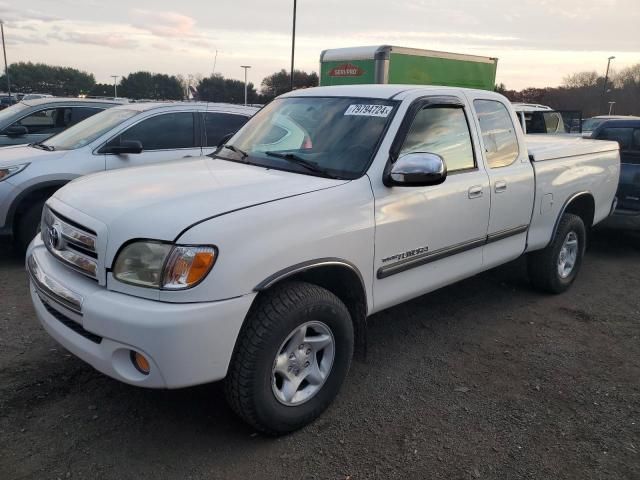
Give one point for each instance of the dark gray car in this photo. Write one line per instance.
(32, 121)
(627, 134)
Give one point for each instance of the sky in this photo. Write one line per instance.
(538, 42)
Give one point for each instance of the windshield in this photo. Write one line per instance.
(590, 124)
(326, 136)
(88, 130)
(9, 113)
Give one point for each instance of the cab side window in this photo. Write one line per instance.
(167, 131)
(445, 132)
(498, 133)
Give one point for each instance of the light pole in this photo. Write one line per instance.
(611, 104)
(606, 78)
(4, 50)
(115, 88)
(246, 67)
(293, 40)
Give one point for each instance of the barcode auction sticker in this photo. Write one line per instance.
(369, 110)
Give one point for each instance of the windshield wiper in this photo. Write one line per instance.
(228, 146)
(292, 157)
(42, 146)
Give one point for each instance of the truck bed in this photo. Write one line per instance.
(549, 147)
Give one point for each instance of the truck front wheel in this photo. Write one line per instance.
(554, 268)
(292, 355)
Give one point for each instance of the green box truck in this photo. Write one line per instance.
(388, 64)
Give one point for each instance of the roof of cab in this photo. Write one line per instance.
(381, 91)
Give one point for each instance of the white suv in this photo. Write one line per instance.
(124, 136)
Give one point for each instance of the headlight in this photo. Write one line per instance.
(164, 266)
(6, 172)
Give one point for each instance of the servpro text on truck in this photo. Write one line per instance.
(399, 65)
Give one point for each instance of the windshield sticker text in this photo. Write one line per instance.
(369, 110)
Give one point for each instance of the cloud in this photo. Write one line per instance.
(164, 24)
(17, 39)
(111, 40)
(10, 14)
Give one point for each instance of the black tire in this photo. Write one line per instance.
(543, 264)
(248, 386)
(28, 226)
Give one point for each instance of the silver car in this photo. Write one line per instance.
(32, 121)
(125, 136)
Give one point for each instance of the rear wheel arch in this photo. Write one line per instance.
(581, 204)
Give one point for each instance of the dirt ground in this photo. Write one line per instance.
(483, 379)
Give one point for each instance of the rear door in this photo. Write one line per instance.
(165, 136)
(511, 177)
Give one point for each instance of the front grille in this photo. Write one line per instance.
(67, 322)
(71, 243)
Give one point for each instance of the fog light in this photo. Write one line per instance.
(140, 362)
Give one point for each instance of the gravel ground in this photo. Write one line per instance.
(483, 379)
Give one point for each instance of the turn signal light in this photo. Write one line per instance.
(140, 362)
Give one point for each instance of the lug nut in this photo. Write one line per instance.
(308, 351)
(289, 368)
(292, 356)
(306, 364)
(301, 347)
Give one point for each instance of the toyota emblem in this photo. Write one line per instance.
(54, 237)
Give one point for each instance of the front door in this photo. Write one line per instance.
(166, 136)
(427, 237)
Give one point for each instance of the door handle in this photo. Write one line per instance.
(500, 186)
(475, 191)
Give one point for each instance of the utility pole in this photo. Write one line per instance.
(215, 60)
(604, 87)
(115, 88)
(293, 41)
(246, 67)
(4, 50)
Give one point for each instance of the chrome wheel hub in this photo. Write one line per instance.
(568, 255)
(303, 363)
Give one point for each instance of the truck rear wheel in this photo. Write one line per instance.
(292, 355)
(554, 268)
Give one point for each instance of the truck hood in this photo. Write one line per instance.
(18, 154)
(161, 201)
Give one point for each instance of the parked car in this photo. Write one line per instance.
(590, 124)
(7, 101)
(627, 133)
(535, 118)
(260, 263)
(35, 96)
(123, 136)
(32, 121)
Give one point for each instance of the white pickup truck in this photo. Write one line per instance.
(260, 263)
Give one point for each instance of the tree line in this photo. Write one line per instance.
(579, 91)
(586, 91)
(27, 77)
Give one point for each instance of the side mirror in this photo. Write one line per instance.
(417, 170)
(125, 147)
(16, 131)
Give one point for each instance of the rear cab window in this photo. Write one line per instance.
(498, 133)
